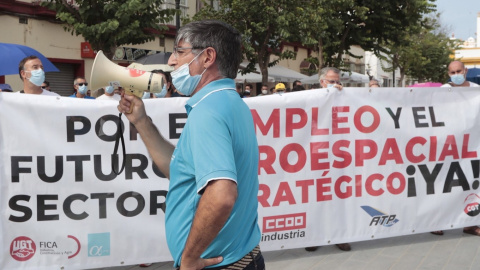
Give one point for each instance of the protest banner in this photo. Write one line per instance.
(334, 167)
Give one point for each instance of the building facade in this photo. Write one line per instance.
(27, 23)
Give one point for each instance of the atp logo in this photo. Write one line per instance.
(472, 205)
(98, 244)
(380, 218)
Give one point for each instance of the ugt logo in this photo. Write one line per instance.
(22, 248)
(98, 244)
(380, 218)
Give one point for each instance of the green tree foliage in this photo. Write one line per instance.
(333, 26)
(109, 24)
(264, 24)
(423, 53)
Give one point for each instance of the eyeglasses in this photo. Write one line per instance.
(179, 51)
(333, 81)
(81, 84)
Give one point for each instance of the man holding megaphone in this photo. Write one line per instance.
(211, 207)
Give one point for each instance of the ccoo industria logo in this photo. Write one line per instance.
(379, 217)
(472, 203)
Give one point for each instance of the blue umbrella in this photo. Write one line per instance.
(473, 75)
(12, 54)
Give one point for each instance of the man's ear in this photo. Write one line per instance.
(210, 57)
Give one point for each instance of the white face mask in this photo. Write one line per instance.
(264, 92)
(163, 93)
(83, 89)
(37, 76)
(183, 81)
(109, 89)
(458, 79)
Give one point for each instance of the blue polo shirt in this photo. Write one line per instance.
(217, 142)
(85, 97)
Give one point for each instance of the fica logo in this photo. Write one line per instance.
(98, 244)
(379, 217)
(472, 205)
(22, 248)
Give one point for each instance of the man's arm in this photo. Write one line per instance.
(158, 147)
(212, 213)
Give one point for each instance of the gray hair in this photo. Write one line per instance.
(76, 79)
(374, 81)
(325, 70)
(222, 37)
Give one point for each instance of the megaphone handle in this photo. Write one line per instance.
(131, 104)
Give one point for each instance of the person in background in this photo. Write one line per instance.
(239, 90)
(458, 75)
(46, 85)
(246, 93)
(248, 89)
(264, 91)
(279, 88)
(330, 78)
(297, 83)
(458, 78)
(211, 217)
(374, 83)
(297, 86)
(109, 94)
(97, 93)
(30, 70)
(167, 89)
(81, 87)
(5, 87)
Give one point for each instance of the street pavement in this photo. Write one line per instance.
(452, 251)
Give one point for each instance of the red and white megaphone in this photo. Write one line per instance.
(134, 81)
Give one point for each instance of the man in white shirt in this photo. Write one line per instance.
(109, 94)
(458, 75)
(31, 72)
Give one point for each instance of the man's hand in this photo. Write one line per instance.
(338, 86)
(200, 263)
(133, 108)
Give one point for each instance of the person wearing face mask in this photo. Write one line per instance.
(167, 89)
(211, 216)
(30, 70)
(279, 88)
(81, 87)
(458, 75)
(109, 94)
(264, 91)
(330, 78)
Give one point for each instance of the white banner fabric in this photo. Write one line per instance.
(335, 167)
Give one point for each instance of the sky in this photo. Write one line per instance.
(459, 17)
